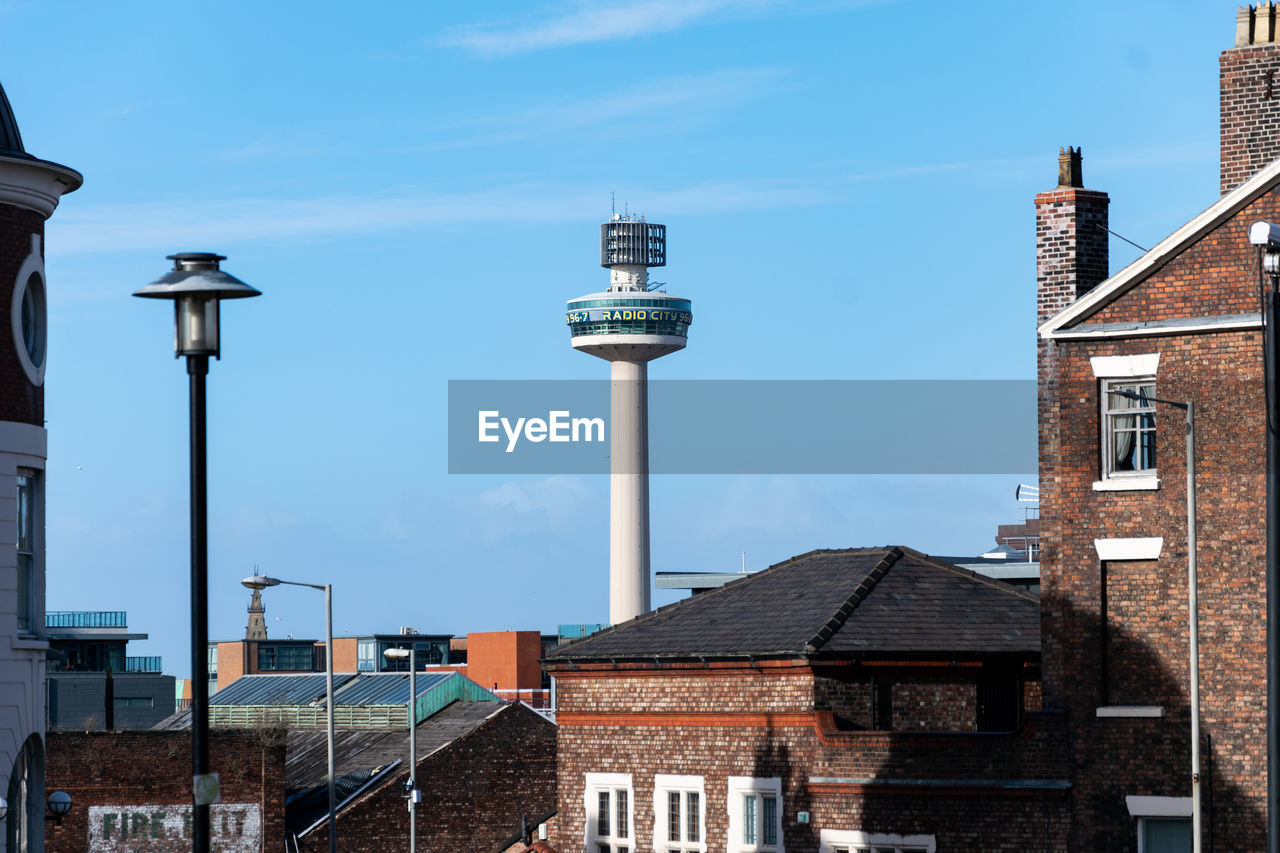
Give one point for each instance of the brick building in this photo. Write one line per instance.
(132, 790)
(842, 700)
(1180, 323)
(30, 190)
(483, 766)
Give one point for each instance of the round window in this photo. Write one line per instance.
(33, 320)
(29, 319)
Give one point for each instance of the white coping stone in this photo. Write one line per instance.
(1147, 548)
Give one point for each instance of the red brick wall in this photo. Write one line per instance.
(1117, 633)
(154, 769)
(19, 400)
(233, 658)
(738, 689)
(1071, 247)
(479, 788)
(1250, 111)
(935, 706)
(505, 659)
(1215, 276)
(757, 722)
(344, 654)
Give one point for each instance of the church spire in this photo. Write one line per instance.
(257, 627)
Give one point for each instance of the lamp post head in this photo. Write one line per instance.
(197, 285)
(397, 654)
(259, 582)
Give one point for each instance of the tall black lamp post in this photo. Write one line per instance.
(1266, 236)
(197, 285)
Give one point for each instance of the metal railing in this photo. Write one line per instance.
(299, 716)
(148, 663)
(86, 619)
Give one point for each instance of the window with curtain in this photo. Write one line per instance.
(1128, 427)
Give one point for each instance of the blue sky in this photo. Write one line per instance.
(416, 188)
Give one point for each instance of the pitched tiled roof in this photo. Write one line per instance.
(865, 601)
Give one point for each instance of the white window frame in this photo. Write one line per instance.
(856, 841)
(30, 571)
(1143, 416)
(1142, 829)
(740, 787)
(596, 784)
(663, 786)
(1118, 370)
(1157, 808)
(29, 283)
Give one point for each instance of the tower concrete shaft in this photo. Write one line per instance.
(629, 325)
(628, 490)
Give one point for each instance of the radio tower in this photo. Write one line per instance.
(629, 325)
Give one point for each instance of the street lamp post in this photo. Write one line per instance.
(196, 285)
(262, 582)
(411, 786)
(1193, 606)
(1266, 236)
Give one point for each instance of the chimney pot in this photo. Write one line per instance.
(1070, 171)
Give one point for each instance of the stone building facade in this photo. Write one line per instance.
(30, 190)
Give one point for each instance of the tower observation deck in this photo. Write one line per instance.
(630, 322)
(629, 325)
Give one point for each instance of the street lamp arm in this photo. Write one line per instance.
(1132, 396)
(262, 582)
(1193, 607)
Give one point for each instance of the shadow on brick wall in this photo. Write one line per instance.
(1099, 672)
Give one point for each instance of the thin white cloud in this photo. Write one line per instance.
(116, 227)
(593, 22)
(1171, 154)
(696, 95)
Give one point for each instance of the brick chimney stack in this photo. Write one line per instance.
(1071, 239)
(1249, 76)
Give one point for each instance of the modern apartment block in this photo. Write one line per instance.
(94, 683)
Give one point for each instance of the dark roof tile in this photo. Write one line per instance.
(864, 601)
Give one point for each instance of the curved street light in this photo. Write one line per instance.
(1193, 606)
(411, 785)
(262, 582)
